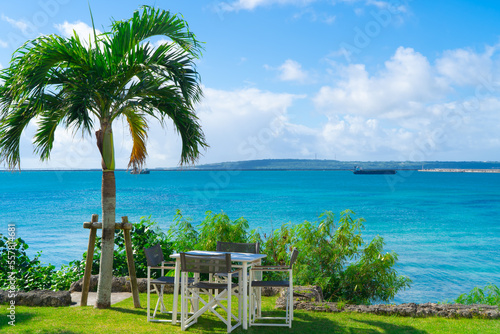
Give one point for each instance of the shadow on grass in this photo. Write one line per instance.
(137, 311)
(302, 323)
(20, 318)
(391, 328)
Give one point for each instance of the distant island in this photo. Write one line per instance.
(315, 164)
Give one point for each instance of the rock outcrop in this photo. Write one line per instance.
(310, 298)
(119, 284)
(37, 298)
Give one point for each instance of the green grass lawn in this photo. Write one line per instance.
(124, 318)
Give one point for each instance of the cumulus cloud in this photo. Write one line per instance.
(406, 81)
(24, 26)
(466, 67)
(411, 109)
(83, 30)
(291, 70)
(243, 124)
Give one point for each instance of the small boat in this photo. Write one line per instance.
(136, 170)
(359, 170)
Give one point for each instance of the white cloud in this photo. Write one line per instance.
(466, 67)
(26, 27)
(84, 31)
(243, 124)
(411, 109)
(291, 70)
(316, 16)
(406, 81)
(3, 44)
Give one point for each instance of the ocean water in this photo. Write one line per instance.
(444, 226)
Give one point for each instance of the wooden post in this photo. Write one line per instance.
(88, 263)
(93, 225)
(130, 262)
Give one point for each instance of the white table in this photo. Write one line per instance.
(246, 260)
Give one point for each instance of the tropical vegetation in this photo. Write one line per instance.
(332, 254)
(87, 85)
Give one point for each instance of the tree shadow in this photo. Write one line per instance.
(387, 327)
(136, 311)
(20, 318)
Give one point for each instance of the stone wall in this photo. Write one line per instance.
(119, 284)
(310, 298)
(38, 298)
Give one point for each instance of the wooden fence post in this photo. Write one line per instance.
(88, 263)
(130, 262)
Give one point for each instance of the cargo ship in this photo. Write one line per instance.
(359, 170)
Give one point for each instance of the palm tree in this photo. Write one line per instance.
(85, 86)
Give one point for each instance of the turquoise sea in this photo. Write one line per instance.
(444, 226)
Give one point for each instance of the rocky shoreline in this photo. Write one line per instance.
(408, 310)
(310, 298)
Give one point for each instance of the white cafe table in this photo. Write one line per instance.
(240, 260)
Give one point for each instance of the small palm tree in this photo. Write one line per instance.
(87, 86)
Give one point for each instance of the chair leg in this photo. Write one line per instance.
(183, 306)
(149, 292)
(290, 296)
(229, 327)
(252, 302)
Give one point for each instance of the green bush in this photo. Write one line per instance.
(27, 274)
(213, 228)
(489, 295)
(144, 234)
(335, 257)
(182, 233)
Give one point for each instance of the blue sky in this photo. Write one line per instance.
(340, 79)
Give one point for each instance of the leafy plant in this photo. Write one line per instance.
(218, 227)
(182, 233)
(489, 295)
(335, 257)
(27, 274)
(144, 234)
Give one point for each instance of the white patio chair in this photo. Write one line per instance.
(235, 247)
(208, 264)
(155, 260)
(256, 285)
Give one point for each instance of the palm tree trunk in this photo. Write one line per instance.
(108, 200)
(108, 239)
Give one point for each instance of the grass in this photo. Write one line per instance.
(124, 318)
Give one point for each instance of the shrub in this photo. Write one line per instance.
(489, 295)
(144, 234)
(27, 274)
(182, 233)
(213, 228)
(335, 257)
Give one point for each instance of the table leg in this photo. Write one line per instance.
(245, 294)
(176, 289)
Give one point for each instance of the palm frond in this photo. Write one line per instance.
(149, 22)
(12, 126)
(138, 130)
